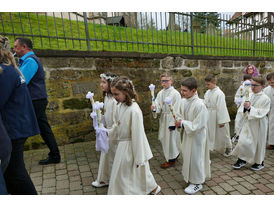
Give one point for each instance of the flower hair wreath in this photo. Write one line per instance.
(106, 77)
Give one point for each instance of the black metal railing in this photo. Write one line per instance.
(217, 34)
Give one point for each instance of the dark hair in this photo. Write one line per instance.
(270, 76)
(125, 85)
(210, 78)
(109, 78)
(190, 83)
(247, 76)
(26, 41)
(259, 79)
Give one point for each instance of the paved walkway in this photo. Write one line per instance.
(79, 167)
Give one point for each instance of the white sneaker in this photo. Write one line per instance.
(157, 191)
(98, 184)
(192, 188)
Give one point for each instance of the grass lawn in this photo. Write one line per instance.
(61, 34)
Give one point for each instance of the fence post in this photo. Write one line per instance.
(86, 29)
(254, 36)
(191, 33)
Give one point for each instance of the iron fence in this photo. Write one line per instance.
(218, 34)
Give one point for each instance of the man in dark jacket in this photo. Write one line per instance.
(33, 71)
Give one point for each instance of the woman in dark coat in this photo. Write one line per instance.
(19, 120)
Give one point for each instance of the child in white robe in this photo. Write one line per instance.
(269, 91)
(252, 138)
(168, 135)
(130, 173)
(193, 117)
(239, 99)
(110, 105)
(240, 93)
(218, 124)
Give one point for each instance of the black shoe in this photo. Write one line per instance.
(49, 160)
(240, 163)
(235, 138)
(257, 167)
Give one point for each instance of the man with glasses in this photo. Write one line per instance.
(252, 138)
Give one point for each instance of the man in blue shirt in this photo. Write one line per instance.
(32, 69)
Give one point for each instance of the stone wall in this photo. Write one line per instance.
(70, 75)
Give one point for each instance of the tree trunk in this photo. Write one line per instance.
(171, 22)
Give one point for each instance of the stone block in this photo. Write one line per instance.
(191, 63)
(89, 62)
(82, 88)
(58, 89)
(230, 71)
(237, 64)
(55, 62)
(79, 132)
(75, 103)
(244, 64)
(227, 63)
(185, 73)
(168, 63)
(103, 63)
(76, 62)
(178, 62)
(122, 62)
(53, 106)
(68, 74)
(209, 64)
(81, 62)
(146, 63)
(69, 118)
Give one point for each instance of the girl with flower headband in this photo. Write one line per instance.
(130, 173)
(110, 105)
(252, 70)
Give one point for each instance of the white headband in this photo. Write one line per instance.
(106, 77)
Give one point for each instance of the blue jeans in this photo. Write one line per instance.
(3, 165)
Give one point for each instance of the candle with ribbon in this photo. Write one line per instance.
(152, 88)
(90, 96)
(168, 101)
(101, 132)
(247, 85)
(97, 107)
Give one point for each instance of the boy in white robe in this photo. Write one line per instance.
(269, 91)
(239, 99)
(193, 117)
(130, 173)
(168, 135)
(110, 105)
(218, 124)
(252, 138)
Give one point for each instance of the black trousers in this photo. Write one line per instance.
(45, 129)
(17, 179)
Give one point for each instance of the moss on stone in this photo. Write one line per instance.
(76, 103)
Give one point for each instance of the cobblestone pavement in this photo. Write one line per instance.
(79, 167)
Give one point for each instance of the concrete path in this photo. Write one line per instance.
(79, 166)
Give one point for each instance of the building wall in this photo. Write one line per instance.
(70, 75)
